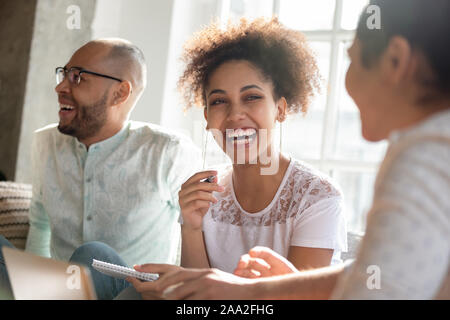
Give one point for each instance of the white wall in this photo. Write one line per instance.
(147, 24)
(52, 45)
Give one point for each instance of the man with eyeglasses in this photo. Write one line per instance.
(103, 184)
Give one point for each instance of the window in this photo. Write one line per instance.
(334, 143)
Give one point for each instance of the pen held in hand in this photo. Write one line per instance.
(210, 179)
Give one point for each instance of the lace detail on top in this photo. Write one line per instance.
(301, 187)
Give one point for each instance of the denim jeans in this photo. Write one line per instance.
(5, 286)
(106, 287)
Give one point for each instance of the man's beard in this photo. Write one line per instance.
(88, 121)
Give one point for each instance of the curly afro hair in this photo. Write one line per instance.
(281, 54)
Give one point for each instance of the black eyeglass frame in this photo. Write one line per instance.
(81, 70)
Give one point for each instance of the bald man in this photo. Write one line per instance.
(103, 185)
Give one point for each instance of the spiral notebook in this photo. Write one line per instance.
(121, 272)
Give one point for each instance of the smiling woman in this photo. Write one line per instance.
(247, 78)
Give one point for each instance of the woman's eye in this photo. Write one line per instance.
(217, 101)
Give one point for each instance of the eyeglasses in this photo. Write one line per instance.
(74, 74)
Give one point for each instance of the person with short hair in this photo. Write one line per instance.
(105, 186)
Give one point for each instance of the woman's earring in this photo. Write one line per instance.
(281, 119)
(281, 135)
(204, 147)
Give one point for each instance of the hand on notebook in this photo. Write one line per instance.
(154, 290)
(177, 283)
(263, 262)
(195, 198)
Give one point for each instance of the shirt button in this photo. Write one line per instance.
(89, 218)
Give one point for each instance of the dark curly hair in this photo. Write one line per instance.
(281, 54)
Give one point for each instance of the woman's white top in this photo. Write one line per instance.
(405, 253)
(306, 211)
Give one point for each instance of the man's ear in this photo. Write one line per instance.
(397, 61)
(281, 109)
(122, 92)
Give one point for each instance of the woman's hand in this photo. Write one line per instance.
(263, 262)
(152, 290)
(195, 198)
(199, 284)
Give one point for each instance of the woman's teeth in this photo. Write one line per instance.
(241, 136)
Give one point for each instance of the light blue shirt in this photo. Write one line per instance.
(123, 191)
